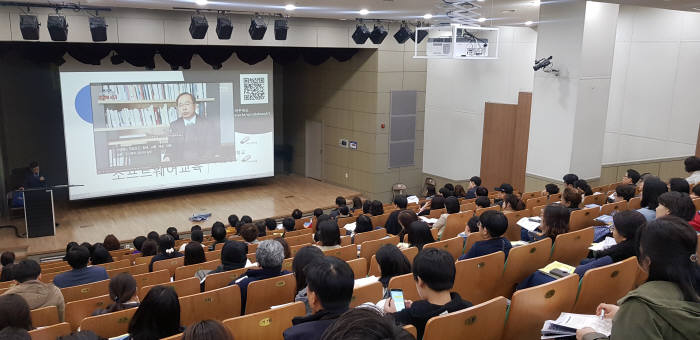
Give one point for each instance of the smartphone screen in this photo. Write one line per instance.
(397, 296)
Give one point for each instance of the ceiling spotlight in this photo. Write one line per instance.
(257, 29)
(480, 0)
(29, 26)
(482, 19)
(528, 23)
(198, 26)
(98, 28)
(201, 2)
(403, 33)
(281, 27)
(224, 28)
(364, 11)
(290, 7)
(421, 35)
(361, 34)
(58, 27)
(378, 34)
(428, 16)
(535, 3)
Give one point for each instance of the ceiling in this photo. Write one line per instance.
(497, 12)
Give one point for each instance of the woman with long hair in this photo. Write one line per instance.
(122, 291)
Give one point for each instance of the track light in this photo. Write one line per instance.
(98, 28)
(257, 29)
(58, 27)
(198, 26)
(281, 27)
(378, 34)
(29, 26)
(224, 28)
(361, 34)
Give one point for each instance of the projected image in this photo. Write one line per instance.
(152, 125)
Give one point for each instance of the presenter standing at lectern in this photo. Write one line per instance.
(34, 179)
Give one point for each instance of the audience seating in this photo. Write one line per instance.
(513, 231)
(598, 199)
(346, 253)
(433, 231)
(435, 213)
(57, 269)
(484, 321)
(370, 235)
(531, 307)
(76, 311)
(455, 224)
(608, 209)
(584, 218)
(345, 240)
(182, 287)
(297, 240)
(294, 249)
(109, 325)
(605, 284)
(521, 262)
(697, 204)
(407, 284)
(528, 195)
(119, 253)
(464, 207)
(481, 210)
(299, 224)
(372, 292)
(369, 248)
(116, 264)
(572, 247)
(453, 246)
(380, 220)
(274, 291)
(45, 316)
(287, 264)
(133, 270)
(189, 271)
(411, 329)
(143, 259)
(359, 267)
(471, 239)
(294, 233)
(7, 284)
(476, 278)
(374, 269)
(535, 202)
(48, 278)
(152, 278)
(169, 264)
(218, 304)
(268, 324)
(51, 332)
(218, 280)
(635, 203)
(212, 255)
(553, 198)
(537, 211)
(85, 291)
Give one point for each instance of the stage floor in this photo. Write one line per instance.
(131, 216)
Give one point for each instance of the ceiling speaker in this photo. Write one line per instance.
(58, 27)
(257, 29)
(361, 34)
(29, 26)
(198, 26)
(224, 27)
(378, 34)
(281, 28)
(98, 28)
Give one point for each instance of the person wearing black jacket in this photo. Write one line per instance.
(434, 273)
(392, 222)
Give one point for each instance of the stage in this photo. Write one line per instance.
(129, 216)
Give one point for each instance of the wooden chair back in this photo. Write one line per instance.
(528, 195)
(152, 278)
(411, 329)
(453, 246)
(535, 202)
(177, 336)
(7, 284)
(274, 291)
(189, 271)
(169, 264)
(294, 249)
(287, 264)
(471, 239)
(109, 325)
(346, 253)
(133, 270)
(45, 316)
(218, 304)
(359, 267)
(475, 278)
(52, 264)
(603, 284)
(696, 202)
(521, 262)
(294, 233)
(608, 209)
(583, 218)
(116, 264)
(47, 278)
(484, 321)
(572, 247)
(481, 210)
(531, 307)
(513, 231)
(119, 252)
(370, 235)
(51, 332)
(537, 211)
(143, 259)
(299, 224)
(85, 291)
(374, 269)
(76, 311)
(184, 287)
(634, 203)
(130, 257)
(212, 255)
(57, 269)
(369, 248)
(219, 280)
(455, 224)
(380, 220)
(598, 199)
(554, 198)
(269, 324)
(372, 292)
(435, 213)
(464, 207)
(345, 240)
(297, 240)
(407, 284)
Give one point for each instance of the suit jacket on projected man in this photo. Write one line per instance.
(192, 143)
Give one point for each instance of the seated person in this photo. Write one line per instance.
(434, 273)
(405, 218)
(317, 213)
(472, 225)
(429, 191)
(158, 315)
(7, 259)
(111, 243)
(218, 232)
(172, 231)
(363, 224)
(677, 204)
(14, 313)
(459, 191)
(297, 214)
(232, 223)
(100, 255)
(582, 185)
(377, 208)
(695, 193)
(481, 191)
(262, 228)
(304, 256)
(339, 202)
(631, 177)
(392, 262)
(392, 225)
(138, 242)
(233, 256)
(149, 248)
(375, 326)
(417, 235)
(206, 330)
(555, 221)
(679, 185)
(269, 255)
(571, 198)
(328, 235)
(366, 207)
(623, 192)
(343, 211)
(195, 236)
(550, 189)
(451, 207)
(695, 222)
(288, 224)
(270, 225)
(81, 274)
(249, 232)
(511, 202)
(122, 291)
(667, 305)
(492, 225)
(653, 188)
(436, 203)
(503, 190)
(482, 202)
(569, 180)
(166, 250)
(194, 254)
(36, 293)
(356, 203)
(474, 182)
(329, 283)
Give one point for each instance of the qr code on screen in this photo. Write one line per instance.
(254, 89)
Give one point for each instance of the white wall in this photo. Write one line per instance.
(456, 91)
(654, 108)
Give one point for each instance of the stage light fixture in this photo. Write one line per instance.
(29, 26)
(281, 27)
(421, 35)
(98, 28)
(198, 26)
(257, 29)
(58, 27)
(403, 34)
(361, 34)
(224, 28)
(378, 34)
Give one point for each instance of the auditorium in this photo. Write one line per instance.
(369, 169)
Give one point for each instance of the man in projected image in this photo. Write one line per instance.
(190, 135)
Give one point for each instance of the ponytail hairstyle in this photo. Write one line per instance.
(669, 244)
(514, 202)
(121, 289)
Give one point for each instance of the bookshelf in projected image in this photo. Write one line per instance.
(169, 103)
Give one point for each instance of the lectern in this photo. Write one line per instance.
(39, 210)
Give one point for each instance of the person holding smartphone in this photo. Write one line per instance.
(434, 273)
